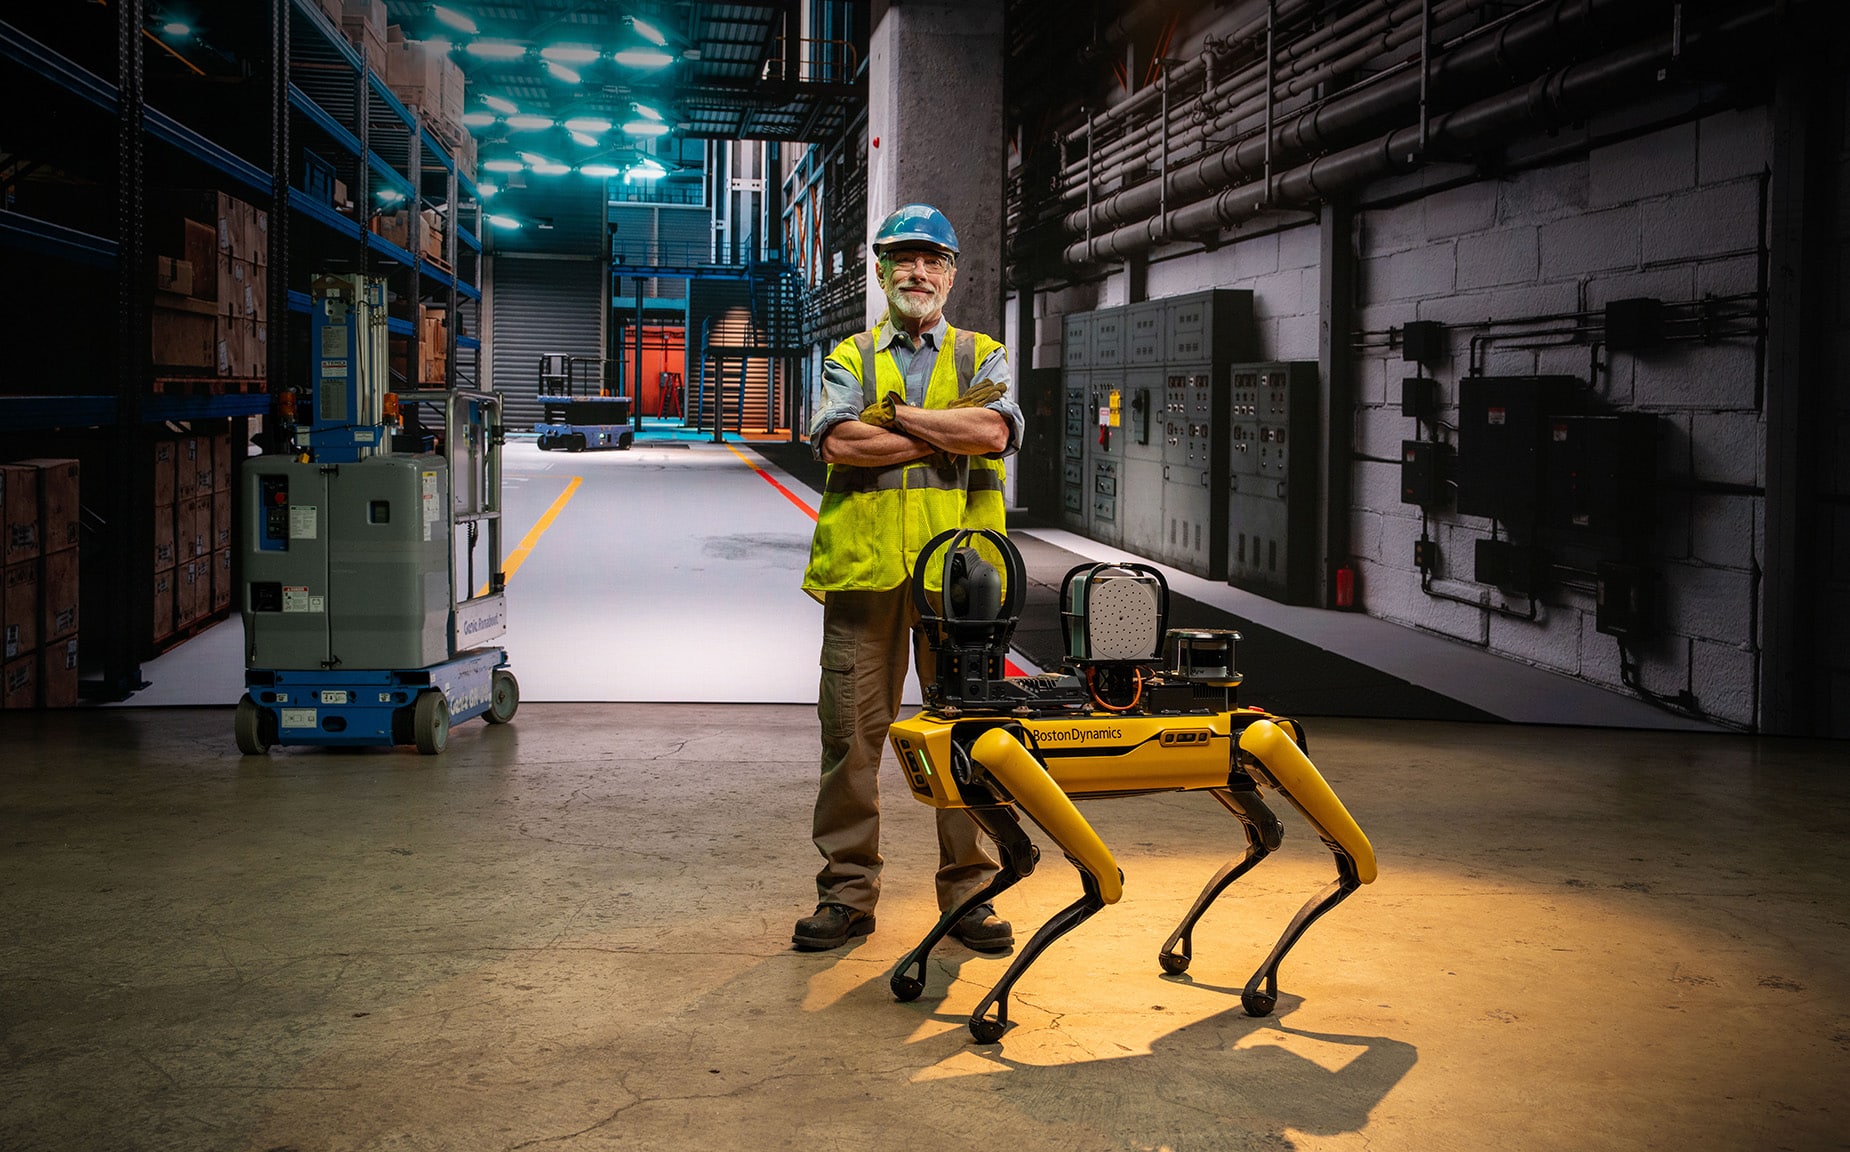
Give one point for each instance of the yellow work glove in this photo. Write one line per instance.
(982, 394)
(882, 412)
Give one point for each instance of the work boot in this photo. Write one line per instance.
(982, 931)
(832, 926)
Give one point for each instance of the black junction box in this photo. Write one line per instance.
(1599, 486)
(1501, 424)
(1504, 564)
(1423, 471)
(1419, 397)
(1422, 341)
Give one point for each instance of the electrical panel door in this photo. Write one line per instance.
(1105, 449)
(1272, 480)
(1075, 466)
(1140, 493)
(1194, 471)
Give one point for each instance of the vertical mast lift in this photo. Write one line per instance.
(364, 622)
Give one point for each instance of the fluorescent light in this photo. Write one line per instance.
(535, 158)
(501, 105)
(648, 32)
(551, 169)
(501, 221)
(602, 171)
(496, 50)
(177, 29)
(502, 166)
(478, 119)
(591, 124)
(643, 171)
(645, 128)
(569, 53)
(585, 138)
(645, 110)
(487, 189)
(528, 123)
(454, 19)
(561, 72)
(643, 58)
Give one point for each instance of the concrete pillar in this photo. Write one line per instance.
(935, 135)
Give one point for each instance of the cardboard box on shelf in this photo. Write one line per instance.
(173, 274)
(221, 461)
(19, 513)
(166, 552)
(192, 528)
(19, 609)
(465, 155)
(185, 468)
(432, 234)
(366, 32)
(192, 591)
(394, 34)
(58, 669)
(59, 493)
(332, 8)
(19, 682)
(414, 73)
(183, 332)
(221, 519)
(394, 227)
(163, 591)
(57, 595)
(221, 580)
(161, 471)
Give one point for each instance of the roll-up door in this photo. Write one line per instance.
(539, 306)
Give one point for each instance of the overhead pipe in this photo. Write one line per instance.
(1524, 45)
(1561, 96)
(1303, 63)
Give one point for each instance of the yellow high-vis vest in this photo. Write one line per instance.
(873, 521)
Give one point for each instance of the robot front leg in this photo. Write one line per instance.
(1019, 856)
(1277, 760)
(987, 1029)
(1264, 834)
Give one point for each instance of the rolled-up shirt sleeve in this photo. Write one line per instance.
(995, 368)
(842, 400)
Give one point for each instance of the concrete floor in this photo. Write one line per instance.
(572, 933)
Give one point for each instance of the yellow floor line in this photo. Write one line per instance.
(519, 555)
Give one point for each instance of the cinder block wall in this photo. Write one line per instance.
(1674, 214)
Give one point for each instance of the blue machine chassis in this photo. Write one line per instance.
(355, 708)
(580, 437)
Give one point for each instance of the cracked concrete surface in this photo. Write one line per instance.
(572, 933)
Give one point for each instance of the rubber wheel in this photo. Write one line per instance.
(545, 443)
(626, 440)
(1173, 963)
(503, 698)
(987, 1031)
(576, 442)
(430, 722)
(252, 728)
(905, 988)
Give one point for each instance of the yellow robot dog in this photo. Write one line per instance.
(1137, 710)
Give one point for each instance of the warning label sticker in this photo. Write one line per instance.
(298, 599)
(302, 522)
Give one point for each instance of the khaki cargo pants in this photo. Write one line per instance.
(865, 636)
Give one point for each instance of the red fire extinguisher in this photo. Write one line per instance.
(1345, 586)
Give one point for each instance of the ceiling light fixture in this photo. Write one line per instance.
(478, 119)
(643, 58)
(561, 72)
(648, 32)
(646, 128)
(645, 110)
(487, 189)
(569, 53)
(501, 221)
(591, 124)
(551, 169)
(496, 50)
(528, 123)
(502, 165)
(501, 105)
(585, 138)
(602, 171)
(454, 19)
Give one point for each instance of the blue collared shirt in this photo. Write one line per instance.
(843, 397)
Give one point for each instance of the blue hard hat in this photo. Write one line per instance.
(916, 224)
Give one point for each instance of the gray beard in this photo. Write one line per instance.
(911, 309)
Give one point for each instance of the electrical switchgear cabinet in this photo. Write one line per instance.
(1272, 480)
(1501, 423)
